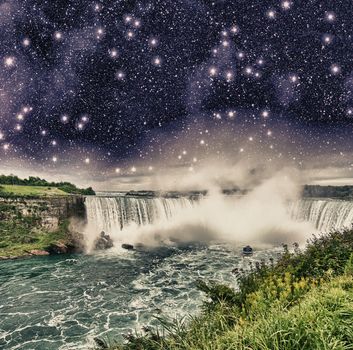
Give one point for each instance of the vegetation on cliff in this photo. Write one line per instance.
(29, 225)
(304, 301)
(340, 192)
(23, 234)
(12, 185)
(10, 191)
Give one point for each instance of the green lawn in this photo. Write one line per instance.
(31, 190)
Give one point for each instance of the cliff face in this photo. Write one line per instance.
(49, 212)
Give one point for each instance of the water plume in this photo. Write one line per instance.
(260, 217)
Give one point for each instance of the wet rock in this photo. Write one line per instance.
(103, 242)
(58, 248)
(38, 252)
(76, 243)
(127, 246)
(235, 271)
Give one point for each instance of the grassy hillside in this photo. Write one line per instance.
(32, 191)
(32, 181)
(303, 302)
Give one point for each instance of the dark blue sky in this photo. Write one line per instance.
(117, 82)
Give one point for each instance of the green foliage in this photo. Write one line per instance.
(66, 187)
(348, 270)
(29, 192)
(304, 301)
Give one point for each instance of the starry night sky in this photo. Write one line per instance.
(131, 86)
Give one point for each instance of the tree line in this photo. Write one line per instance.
(37, 181)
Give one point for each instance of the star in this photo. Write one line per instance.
(120, 75)
(113, 53)
(293, 78)
(229, 75)
(271, 14)
(335, 69)
(234, 29)
(58, 36)
(157, 61)
(212, 71)
(330, 16)
(327, 39)
(9, 61)
(265, 114)
(64, 118)
(26, 42)
(286, 5)
(153, 42)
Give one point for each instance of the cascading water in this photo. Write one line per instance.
(112, 214)
(325, 214)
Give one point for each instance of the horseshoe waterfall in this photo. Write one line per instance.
(113, 213)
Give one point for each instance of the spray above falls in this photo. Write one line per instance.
(229, 218)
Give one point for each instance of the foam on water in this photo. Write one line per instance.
(64, 302)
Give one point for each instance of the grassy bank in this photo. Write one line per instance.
(304, 301)
(30, 191)
(36, 182)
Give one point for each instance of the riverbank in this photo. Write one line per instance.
(304, 301)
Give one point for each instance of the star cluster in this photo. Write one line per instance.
(125, 83)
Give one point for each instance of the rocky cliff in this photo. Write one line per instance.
(40, 226)
(49, 211)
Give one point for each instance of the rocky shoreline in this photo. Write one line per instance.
(74, 244)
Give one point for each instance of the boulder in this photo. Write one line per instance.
(58, 248)
(127, 246)
(103, 242)
(38, 252)
(76, 242)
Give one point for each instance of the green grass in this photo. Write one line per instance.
(322, 320)
(303, 302)
(31, 191)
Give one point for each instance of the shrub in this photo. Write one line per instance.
(348, 270)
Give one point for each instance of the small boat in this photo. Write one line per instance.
(127, 246)
(247, 251)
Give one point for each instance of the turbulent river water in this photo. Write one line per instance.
(63, 302)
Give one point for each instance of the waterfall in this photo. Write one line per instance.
(114, 213)
(325, 214)
(111, 214)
